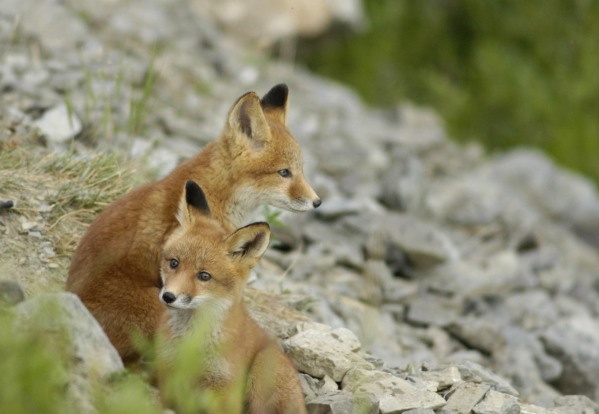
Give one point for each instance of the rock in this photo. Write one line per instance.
(535, 178)
(342, 402)
(11, 293)
(575, 403)
(63, 312)
(483, 334)
(420, 411)
(319, 353)
(393, 394)
(464, 397)
(62, 316)
(59, 124)
(433, 310)
(471, 371)
(497, 403)
(444, 378)
(494, 275)
(575, 343)
(423, 244)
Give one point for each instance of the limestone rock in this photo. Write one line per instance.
(497, 403)
(59, 124)
(342, 402)
(393, 394)
(321, 353)
(464, 397)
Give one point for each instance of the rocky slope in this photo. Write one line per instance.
(434, 278)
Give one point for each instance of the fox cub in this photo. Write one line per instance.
(204, 269)
(256, 161)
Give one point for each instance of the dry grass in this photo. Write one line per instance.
(56, 197)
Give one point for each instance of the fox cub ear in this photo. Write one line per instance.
(192, 202)
(276, 101)
(249, 242)
(247, 122)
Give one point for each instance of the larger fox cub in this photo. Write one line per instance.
(256, 161)
(204, 269)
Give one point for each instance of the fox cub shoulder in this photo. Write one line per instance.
(204, 271)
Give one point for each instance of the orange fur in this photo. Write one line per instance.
(236, 348)
(115, 269)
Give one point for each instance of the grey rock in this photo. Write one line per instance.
(62, 316)
(393, 394)
(64, 313)
(483, 334)
(444, 378)
(497, 403)
(433, 310)
(575, 343)
(471, 371)
(321, 353)
(342, 402)
(59, 124)
(575, 403)
(11, 293)
(420, 411)
(494, 275)
(534, 177)
(422, 243)
(464, 397)
(402, 186)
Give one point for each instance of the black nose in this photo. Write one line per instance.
(316, 203)
(168, 297)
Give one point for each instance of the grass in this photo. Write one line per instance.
(58, 195)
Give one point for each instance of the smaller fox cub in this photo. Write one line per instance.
(204, 269)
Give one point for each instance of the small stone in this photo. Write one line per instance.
(471, 371)
(394, 394)
(445, 378)
(433, 310)
(59, 124)
(29, 225)
(465, 396)
(497, 403)
(342, 402)
(578, 403)
(319, 353)
(11, 293)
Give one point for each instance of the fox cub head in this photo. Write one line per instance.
(265, 160)
(203, 264)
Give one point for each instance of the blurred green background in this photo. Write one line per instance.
(504, 73)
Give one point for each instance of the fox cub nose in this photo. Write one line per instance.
(168, 297)
(316, 203)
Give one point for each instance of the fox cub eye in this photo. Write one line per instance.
(284, 173)
(204, 276)
(173, 263)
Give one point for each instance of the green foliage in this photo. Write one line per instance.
(505, 72)
(33, 373)
(272, 217)
(127, 395)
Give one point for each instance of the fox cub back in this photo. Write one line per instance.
(204, 270)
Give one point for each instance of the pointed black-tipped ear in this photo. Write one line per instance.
(249, 242)
(275, 102)
(276, 97)
(247, 123)
(192, 203)
(195, 197)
